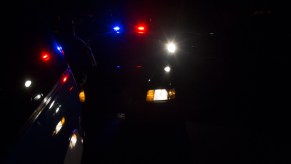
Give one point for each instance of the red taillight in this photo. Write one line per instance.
(65, 78)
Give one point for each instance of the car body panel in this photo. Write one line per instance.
(42, 141)
(39, 97)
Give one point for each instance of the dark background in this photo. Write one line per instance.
(235, 80)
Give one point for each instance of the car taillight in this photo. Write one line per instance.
(65, 78)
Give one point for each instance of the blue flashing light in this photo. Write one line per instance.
(60, 49)
(117, 29)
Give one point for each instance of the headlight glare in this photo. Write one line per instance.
(157, 95)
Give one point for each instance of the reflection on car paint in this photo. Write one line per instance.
(59, 126)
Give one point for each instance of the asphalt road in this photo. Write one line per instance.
(190, 137)
(209, 125)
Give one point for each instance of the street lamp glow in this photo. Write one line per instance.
(167, 69)
(171, 47)
(27, 83)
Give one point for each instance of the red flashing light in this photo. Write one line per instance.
(65, 78)
(45, 56)
(141, 29)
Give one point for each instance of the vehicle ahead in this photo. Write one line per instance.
(41, 109)
(135, 74)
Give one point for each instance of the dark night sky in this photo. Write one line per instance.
(198, 14)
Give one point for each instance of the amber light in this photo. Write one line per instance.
(82, 96)
(150, 95)
(172, 93)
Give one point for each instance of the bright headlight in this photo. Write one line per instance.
(160, 95)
